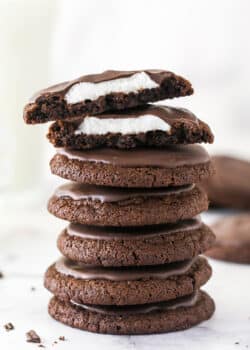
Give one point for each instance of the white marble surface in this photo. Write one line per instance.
(27, 241)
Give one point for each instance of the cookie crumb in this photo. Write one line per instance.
(1, 274)
(32, 337)
(41, 346)
(236, 343)
(62, 338)
(9, 326)
(33, 289)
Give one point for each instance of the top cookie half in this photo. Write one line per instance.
(107, 91)
(150, 125)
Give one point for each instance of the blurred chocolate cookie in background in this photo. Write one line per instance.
(232, 239)
(230, 186)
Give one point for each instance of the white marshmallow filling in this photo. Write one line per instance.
(80, 92)
(125, 126)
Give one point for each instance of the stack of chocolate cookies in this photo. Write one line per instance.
(131, 261)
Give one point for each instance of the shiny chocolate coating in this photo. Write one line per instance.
(86, 272)
(186, 301)
(170, 157)
(131, 233)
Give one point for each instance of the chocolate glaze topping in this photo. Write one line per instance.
(131, 233)
(169, 157)
(159, 76)
(81, 271)
(170, 115)
(186, 301)
(115, 194)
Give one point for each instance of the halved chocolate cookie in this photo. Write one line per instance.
(135, 246)
(179, 315)
(111, 206)
(150, 125)
(144, 167)
(98, 93)
(85, 284)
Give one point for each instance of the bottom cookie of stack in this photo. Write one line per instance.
(181, 314)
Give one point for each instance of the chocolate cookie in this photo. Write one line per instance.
(230, 186)
(232, 239)
(150, 125)
(125, 285)
(135, 246)
(110, 206)
(167, 317)
(110, 90)
(144, 167)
